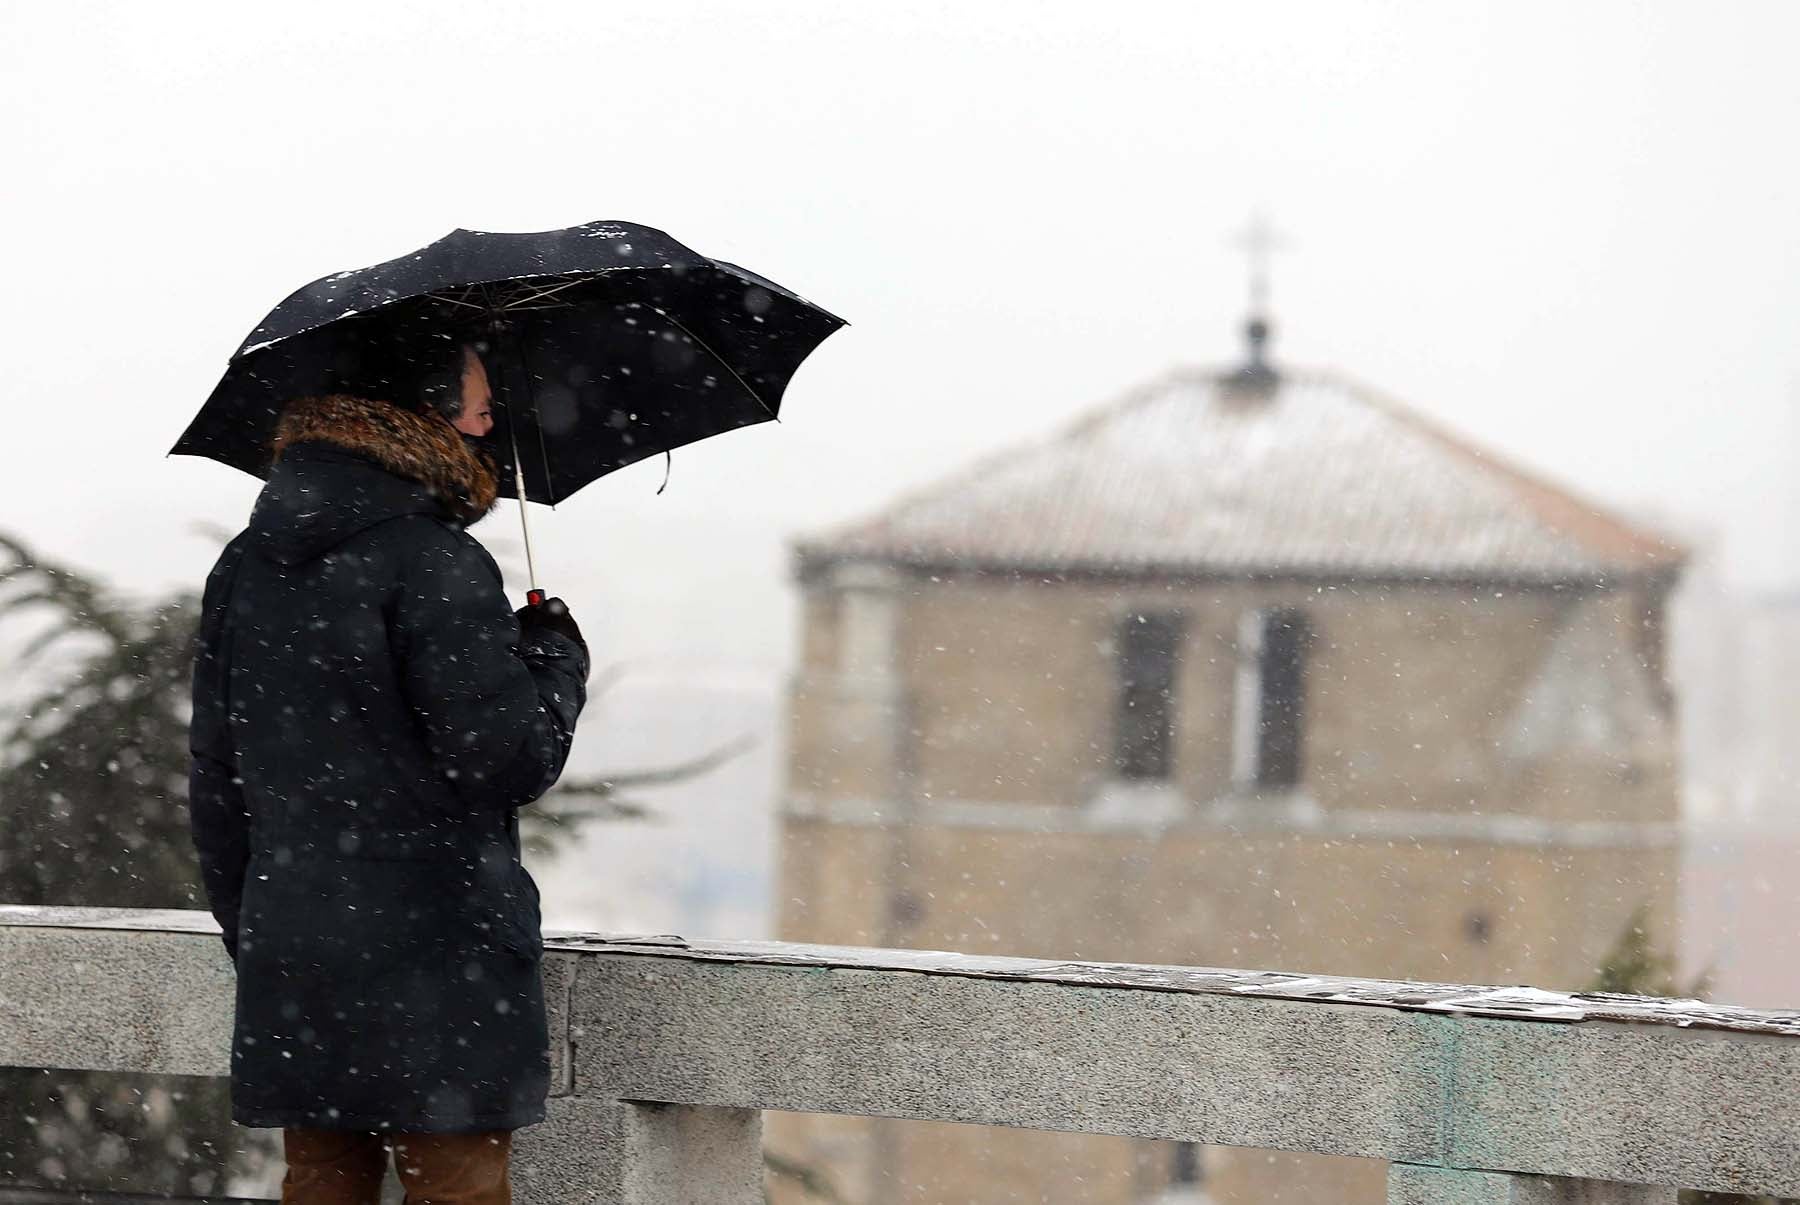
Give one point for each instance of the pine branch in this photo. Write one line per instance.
(810, 1180)
(81, 598)
(680, 771)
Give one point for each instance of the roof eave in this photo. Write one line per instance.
(813, 560)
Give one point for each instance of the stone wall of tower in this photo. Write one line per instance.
(1441, 910)
(1414, 693)
(1488, 794)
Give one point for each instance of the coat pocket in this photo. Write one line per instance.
(505, 905)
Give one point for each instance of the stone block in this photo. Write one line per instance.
(559, 982)
(1640, 1104)
(1278, 1074)
(115, 1000)
(600, 1152)
(678, 1155)
(572, 1157)
(1445, 1186)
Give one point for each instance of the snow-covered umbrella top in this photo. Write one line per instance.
(612, 340)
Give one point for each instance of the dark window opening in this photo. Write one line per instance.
(1186, 1169)
(1144, 735)
(1272, 699)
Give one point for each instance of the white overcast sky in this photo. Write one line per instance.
(1571, 231)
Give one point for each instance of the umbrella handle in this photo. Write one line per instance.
(534, 597)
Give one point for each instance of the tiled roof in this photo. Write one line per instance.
(1188, 475)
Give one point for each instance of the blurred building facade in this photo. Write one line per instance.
(1737, 663)
(1252, 669)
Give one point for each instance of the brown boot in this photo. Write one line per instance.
(332, 1167)
(454, 1169)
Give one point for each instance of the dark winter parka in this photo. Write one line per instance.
(368, 713)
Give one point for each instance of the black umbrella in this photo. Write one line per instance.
(611, 342)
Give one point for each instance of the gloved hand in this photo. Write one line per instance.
(552, 613)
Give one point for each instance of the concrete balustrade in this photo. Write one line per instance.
(666, 1052)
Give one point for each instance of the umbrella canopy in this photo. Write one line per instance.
(611, 342)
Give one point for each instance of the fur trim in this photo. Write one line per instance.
(418, 447)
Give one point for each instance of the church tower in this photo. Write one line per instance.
(1254, 667)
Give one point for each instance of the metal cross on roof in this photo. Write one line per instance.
(1259, 241)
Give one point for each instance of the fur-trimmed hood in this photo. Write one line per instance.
(419, 447)
(344, 464)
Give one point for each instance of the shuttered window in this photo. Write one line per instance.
(1148, 649)
(1270, 724)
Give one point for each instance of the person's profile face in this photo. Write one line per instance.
(477, 417)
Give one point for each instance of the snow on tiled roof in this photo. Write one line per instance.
(1189, 475)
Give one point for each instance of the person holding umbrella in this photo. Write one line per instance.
(369, 710)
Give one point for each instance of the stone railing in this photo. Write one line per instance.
(666, 1052)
